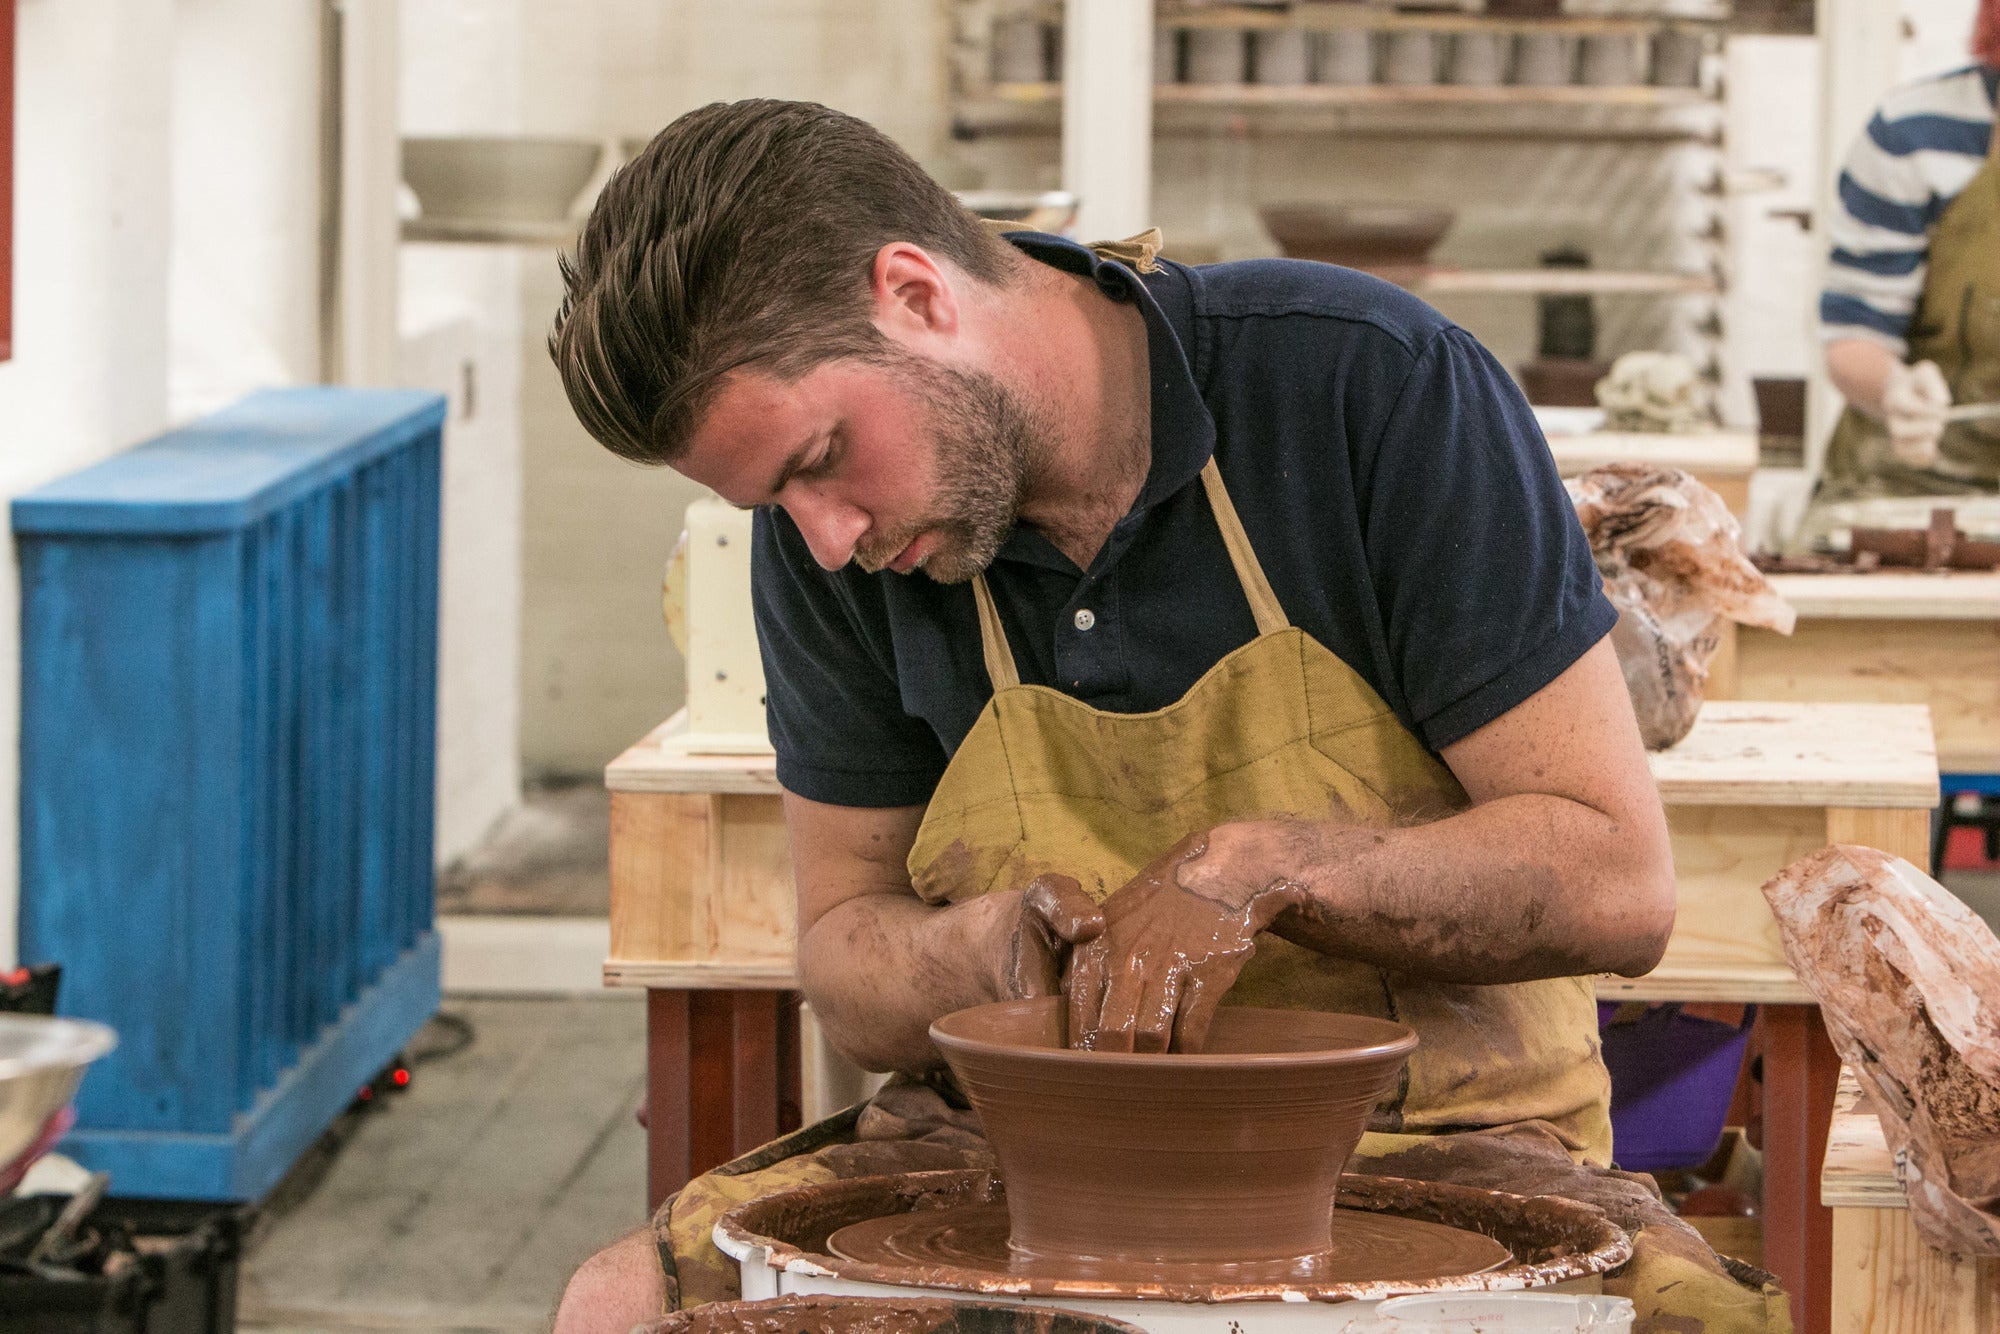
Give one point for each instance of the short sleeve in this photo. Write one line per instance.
(831, 700)
(1484, 578)
(1879, 229)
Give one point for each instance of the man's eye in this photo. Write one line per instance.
(823, 464)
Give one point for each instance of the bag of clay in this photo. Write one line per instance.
(1673, 564)
(1908, 979)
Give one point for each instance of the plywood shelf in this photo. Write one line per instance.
(1323, 18)
(1914, 595)
(1735, 983)
(1836, 755)
(1250, 95)
(1739, 753)
(1706, 454)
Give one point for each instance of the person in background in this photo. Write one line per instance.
(1911, 312)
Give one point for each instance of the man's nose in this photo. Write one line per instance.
(830, 527)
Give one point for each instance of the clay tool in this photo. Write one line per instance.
(1972, 412)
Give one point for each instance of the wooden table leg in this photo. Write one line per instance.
(667, 1071)
(1801, 1073)
(716, 1082)
(753, 1069)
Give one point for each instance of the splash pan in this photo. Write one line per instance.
(781, 1242)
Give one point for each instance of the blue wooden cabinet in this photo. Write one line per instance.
(228, 681)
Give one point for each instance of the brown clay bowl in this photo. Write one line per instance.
(1563, 382)
(1360, 236)
(1230, 1155)
(881, 1315)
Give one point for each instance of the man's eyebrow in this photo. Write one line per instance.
(795, 461)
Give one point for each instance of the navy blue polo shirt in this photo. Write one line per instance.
(1393, 482)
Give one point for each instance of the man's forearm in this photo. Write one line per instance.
(1520, 887)
(879, 968)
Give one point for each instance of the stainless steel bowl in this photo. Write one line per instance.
(41, 1063)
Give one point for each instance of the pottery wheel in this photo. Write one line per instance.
(1367, 1247)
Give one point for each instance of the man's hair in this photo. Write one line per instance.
(744, 234)
(1986, 33)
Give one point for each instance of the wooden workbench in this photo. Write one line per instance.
(1723, 460)
(1885, 1279)
(702, 917)
(1906, 638)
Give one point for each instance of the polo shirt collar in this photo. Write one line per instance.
(1183, 434)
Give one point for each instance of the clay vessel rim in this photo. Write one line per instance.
(1397, 1040)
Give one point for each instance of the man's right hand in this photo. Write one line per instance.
(1054, 917)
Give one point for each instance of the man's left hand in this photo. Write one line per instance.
(1174, 939)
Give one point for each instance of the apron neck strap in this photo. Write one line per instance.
(1263, 602)
(1000, 666)
(1000, 669)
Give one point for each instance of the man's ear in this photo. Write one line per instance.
(914, 300)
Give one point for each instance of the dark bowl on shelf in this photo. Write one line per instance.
(1563, 382)
(1524, 9)
(1361, 236)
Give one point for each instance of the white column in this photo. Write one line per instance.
(1860, 47)
(1107, 126)
(92, 214)
(364, 342)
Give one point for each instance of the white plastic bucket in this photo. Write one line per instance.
(1498, 1313)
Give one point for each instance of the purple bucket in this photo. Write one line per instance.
(1672, 1078)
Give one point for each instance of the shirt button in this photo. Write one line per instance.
(1085, 618)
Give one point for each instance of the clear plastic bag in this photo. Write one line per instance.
(1673, 564)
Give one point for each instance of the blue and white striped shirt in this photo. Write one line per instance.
(1921, 150)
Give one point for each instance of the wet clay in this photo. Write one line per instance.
(1231, 1156)
(1908, 979)
(1153, 978)
(880, 1315)
(1365, 1247)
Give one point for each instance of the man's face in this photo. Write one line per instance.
(900, 464)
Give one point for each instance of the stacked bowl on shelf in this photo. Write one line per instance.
(1026, 49)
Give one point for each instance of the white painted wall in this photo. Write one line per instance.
(93, 209)
(460, 73)
(245, 238)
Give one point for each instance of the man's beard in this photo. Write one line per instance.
(986, 441)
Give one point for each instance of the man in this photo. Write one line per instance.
(1248, 590)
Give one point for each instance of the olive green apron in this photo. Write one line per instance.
(1956, 325)
(1043, 782)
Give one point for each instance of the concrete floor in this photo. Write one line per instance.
(549, 856)
(464, 1202)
